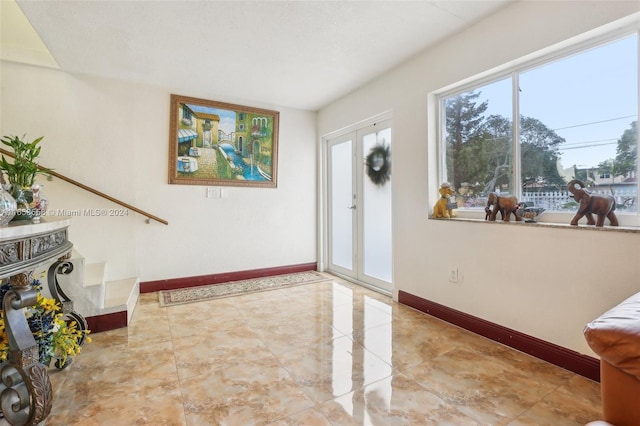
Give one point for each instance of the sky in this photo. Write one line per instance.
(589, 99)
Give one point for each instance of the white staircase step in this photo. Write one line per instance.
(92, 293)
(94, 274)
(122, 295)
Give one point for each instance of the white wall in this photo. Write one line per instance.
(546, 282)
(114, 136)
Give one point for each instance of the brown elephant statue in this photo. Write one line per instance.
(506, 205)
(590, 204)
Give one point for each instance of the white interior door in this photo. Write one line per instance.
(359, 231)
(341, 205)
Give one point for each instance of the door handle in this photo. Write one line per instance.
(353, 207)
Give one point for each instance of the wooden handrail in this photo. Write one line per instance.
(93, 191)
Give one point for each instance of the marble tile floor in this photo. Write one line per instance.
(330, 353)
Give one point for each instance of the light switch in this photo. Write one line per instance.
(213, 192)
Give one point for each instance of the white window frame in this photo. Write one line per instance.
(576, 45)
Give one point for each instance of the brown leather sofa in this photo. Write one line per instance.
(615, 337)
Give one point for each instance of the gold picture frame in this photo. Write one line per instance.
(217, 143)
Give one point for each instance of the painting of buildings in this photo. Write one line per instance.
(222, 144)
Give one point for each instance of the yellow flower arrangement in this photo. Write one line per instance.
(56, 338)
(4, 341)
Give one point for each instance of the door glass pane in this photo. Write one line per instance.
(376, 199)
(341, 199)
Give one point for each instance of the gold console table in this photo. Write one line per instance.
(25, 389)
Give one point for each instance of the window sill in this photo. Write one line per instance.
(477, 217)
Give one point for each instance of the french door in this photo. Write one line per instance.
(359, 237)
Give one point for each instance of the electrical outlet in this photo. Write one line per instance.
(453, 275)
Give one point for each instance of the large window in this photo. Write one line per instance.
(576, 119)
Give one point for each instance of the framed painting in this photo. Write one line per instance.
(216, 143)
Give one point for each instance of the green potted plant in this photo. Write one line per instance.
(21, 172)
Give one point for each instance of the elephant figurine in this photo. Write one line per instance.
(506, 205)
(590, 204)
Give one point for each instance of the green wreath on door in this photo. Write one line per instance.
(378, 164)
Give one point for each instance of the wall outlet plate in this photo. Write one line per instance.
(453, 275)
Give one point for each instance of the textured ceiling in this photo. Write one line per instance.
(298, 54)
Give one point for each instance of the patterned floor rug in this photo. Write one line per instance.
(236, 288)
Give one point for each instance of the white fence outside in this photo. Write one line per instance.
(563, 200)
(558, 200)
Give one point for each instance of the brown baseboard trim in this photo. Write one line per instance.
(583, 365)
(177, 283)
(107, 322)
